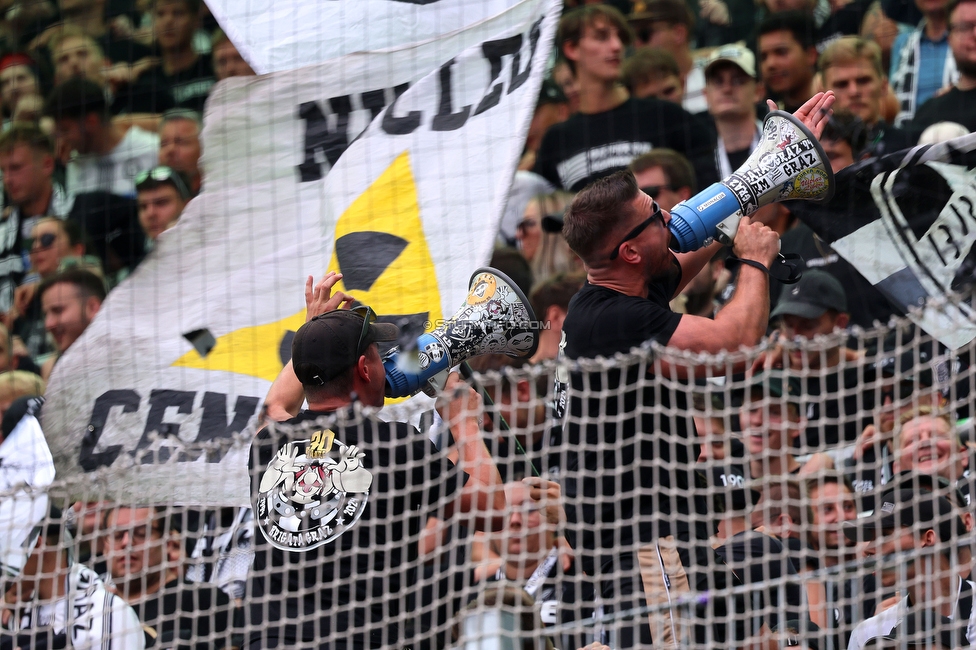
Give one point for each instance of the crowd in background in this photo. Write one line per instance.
(102, 104)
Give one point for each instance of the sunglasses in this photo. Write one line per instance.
(44, 241)
(163, 174)
(655, 214)
(369, 317)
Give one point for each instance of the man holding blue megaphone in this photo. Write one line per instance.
(637, 258)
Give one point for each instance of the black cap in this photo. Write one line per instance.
(905, 508)
(815, 293)
(771, 383)
(329, 344)
(915, 361)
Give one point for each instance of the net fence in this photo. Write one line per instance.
(785, 506)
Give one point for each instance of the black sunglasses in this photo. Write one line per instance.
(653, 190)
(44, 241)
(655, 214)
(369, 317)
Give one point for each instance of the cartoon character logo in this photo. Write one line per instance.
(483, 289)
(308, 499)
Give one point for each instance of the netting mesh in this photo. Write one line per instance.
(722, 511)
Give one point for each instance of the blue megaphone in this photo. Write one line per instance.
(789, 163)
(495, 318)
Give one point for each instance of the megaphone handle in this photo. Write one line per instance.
(468, 374)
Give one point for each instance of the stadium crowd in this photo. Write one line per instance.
(646, 102)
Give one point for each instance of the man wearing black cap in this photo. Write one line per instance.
(339, 495)
(916, 533)
(837, 403)
(161, 194)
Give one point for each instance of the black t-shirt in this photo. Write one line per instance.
(189, 88)
(954, 106)
(864, 302)
(142, 96)
(186, 615)
(587, 147)
(122, 50)
(837, 405)
(762, 565)
(610, 451)
(353, 572)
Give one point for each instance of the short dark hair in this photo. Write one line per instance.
(75, 99)
(512, 263)
(798, 23)
(28, 134)
(557, 290)
(679, 171)
(672, 12)
(824, 477)
(571, 26)
(88, 284)
(596, 211)
(648, 64)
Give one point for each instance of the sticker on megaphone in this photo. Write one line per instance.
(496, 318)
(788, 164)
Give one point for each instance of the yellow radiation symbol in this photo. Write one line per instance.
(380, 249)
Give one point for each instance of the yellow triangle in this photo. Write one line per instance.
(407, 286)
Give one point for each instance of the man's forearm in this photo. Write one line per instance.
(747, 314)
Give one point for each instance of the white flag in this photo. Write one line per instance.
(408, 211)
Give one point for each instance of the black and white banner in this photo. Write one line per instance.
(907, 223)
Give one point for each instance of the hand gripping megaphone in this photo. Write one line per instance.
(495, 318)
(789, 163)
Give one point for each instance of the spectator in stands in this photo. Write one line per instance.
(145, 555)
(27, 166)
(70, 301)
(565, 78)
(62, 603)
(653, 72)
(162, 193)
(227, 61)
(188, 75)
(622, 237)
(335, 359)
(771, 424)
(18, 79)
(53, 244)
(921, 63)
(916, 531)
(664, 175)
(108, 155)
(179, 145)
(527, 554)
(14, 356)
(815, 306)
(539, 237)
(956, 105)
(731, 92)
(612, 127)
(76, 54)
(926, 442)
(831, 498)
(762, 567)
(788, 57)
(844, 140)
(671, 27)
(89, 17)
(512, 263)
(550, 302)
(552, 108)
(851, 67)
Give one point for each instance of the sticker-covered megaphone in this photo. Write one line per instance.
(495, 318)
(789, 163)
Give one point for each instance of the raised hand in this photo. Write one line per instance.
(320, 299)
(815, 113)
